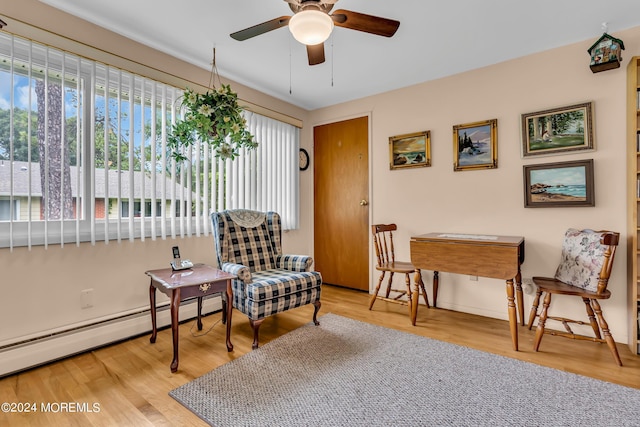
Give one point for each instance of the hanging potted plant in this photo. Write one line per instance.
(214, 118)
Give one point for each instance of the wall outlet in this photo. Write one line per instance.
(86, 298)
(527, 286)
(473, 278)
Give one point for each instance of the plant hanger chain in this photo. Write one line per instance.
(214, 72)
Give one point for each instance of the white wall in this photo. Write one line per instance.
(437, 199)
(41, 287)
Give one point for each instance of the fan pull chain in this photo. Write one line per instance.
(332, 59)
(290, 66)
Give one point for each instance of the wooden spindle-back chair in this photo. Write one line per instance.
(386, 262)
(584, 271)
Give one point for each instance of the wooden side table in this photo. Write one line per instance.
(196, 282)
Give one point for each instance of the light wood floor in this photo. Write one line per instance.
(130, 381)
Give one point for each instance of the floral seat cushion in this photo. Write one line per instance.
(581, 261)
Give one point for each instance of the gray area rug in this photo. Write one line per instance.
(349, 373)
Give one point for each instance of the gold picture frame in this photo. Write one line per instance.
(411, 150)
(475, 145)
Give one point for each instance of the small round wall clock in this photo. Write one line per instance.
(304, 159)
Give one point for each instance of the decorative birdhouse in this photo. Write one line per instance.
(606, 53)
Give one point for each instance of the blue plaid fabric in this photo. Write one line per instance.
(243, 273)
(268, 282)
(294, 262)
(260, 309)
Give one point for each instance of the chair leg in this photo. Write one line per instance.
(605, 331)
(592, 318)
(534, 309)
(541, 321)
(419, 286)
(389, 284)
(375, 292)
(255, 324)
(419, 282)
(407, 281)
(315, 312)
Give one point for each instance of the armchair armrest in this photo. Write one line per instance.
(242, 271)
(294, 262)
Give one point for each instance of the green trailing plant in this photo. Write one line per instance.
(214, 118)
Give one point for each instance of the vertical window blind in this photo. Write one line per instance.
(83, 156)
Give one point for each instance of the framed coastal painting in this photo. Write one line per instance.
(410, 150)
(475, 145)
(559, 184)
(558, 130)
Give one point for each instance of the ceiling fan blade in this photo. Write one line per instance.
(315, 53)
(265, 27)
(367, 23)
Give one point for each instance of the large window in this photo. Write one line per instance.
(83, 149)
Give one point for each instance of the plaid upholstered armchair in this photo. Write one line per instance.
(248, 244)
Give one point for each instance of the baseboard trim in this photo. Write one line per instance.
(40, 351)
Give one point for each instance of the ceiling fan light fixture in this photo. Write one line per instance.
(311, 27)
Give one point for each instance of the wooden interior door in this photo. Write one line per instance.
(341, 200)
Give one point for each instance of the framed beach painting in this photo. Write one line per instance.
(559, 184)
(475, 145)
(558, 131)
(410, 150)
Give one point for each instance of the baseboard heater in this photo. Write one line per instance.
(33, 352)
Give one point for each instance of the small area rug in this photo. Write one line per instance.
(349, 373)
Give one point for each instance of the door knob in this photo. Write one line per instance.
(363, 202)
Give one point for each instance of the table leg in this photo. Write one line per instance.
(224, 308)
(435, 289)
(175, 306)
(229, 307)
(152, 301)
(513, 321)
(519, 297)
(199, 313)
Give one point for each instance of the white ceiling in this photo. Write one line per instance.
(435, 39)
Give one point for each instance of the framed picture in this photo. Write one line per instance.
(560, 184)
(475, 145)
(410, 150)
(559, 130)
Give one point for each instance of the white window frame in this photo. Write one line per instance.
(87, 228)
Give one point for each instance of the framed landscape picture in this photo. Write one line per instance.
(559, 184)
(557, 131)
(410, 150)
(475, 145)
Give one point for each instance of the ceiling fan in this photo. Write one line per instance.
(312, 24)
